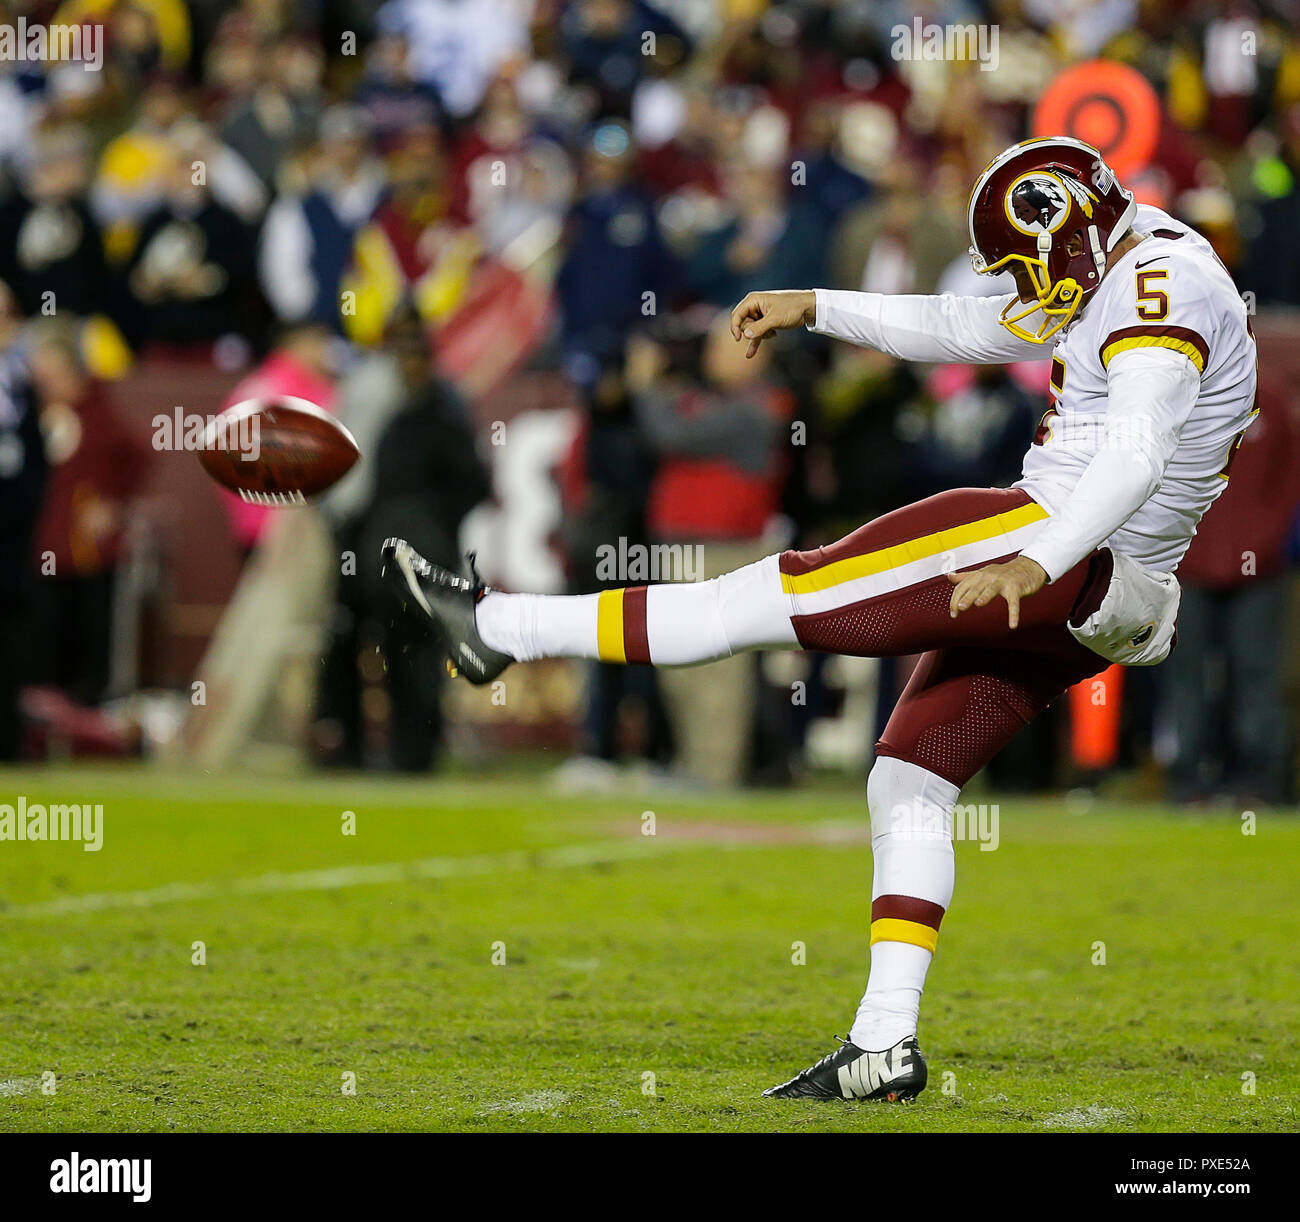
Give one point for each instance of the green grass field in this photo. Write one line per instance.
(625, 956)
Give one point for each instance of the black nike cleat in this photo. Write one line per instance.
(896, 1075)
(445, 601)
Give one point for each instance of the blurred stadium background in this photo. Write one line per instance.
(495, 236)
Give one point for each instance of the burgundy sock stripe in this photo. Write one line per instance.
(906, 908)
(636, 639)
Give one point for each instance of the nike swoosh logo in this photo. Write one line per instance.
(1152, 260)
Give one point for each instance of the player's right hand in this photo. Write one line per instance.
(762, 314)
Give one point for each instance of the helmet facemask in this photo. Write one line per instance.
(1058, 300)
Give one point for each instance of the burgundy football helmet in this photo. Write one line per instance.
(1027, 205)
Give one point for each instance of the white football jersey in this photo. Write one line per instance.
(1168, 292)
(1159, 365)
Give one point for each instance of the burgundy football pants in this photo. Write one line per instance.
(882, 592)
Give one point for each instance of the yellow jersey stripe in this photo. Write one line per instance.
(1186, 347)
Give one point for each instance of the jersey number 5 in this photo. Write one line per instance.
(1153, 303)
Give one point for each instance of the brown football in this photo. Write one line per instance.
(277, 451)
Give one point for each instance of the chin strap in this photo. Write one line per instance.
(1124, 224)
(1098, 255)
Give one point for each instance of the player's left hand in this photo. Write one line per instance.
(1017, 579)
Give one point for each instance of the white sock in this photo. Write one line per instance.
(676, 624)
(890, 1007)
(531, 626)
(912, 884)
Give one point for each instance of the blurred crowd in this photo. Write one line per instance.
(402, 209)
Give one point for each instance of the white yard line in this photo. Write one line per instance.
(396, 793)
(830, 834)
(565, 856)
(18, 1086)
(1090, 1117)
(549, 1101)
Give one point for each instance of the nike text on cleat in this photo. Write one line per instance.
(896, 1075)
(445, 602)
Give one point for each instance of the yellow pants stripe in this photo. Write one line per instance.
(869, 563)
(891, 929)
(609, 626)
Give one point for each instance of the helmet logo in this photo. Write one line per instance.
(1037, 203)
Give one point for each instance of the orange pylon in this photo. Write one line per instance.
(1095, 708)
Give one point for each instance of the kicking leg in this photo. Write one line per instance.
(677, 624)
(880, 591)
(484, 630)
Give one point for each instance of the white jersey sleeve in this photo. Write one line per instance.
(1152, 392)
(943, 328)
(1141, 421)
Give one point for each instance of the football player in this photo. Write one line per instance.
(1011, 594)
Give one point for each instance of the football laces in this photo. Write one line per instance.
(275, 499)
